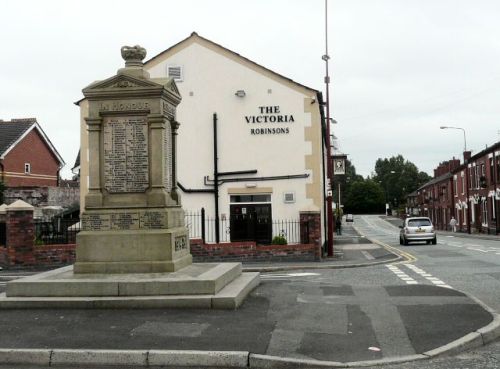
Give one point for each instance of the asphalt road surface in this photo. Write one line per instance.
(348, 314)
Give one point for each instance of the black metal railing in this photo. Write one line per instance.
(3, 234)
(57, 231)
(203, 227)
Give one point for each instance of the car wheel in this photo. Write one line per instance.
(400, 241)
(405, 241)
(434, 241)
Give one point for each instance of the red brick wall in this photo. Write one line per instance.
(313, 221)
(52, 255)
(250, 251)
(20, 237)
(32, 149)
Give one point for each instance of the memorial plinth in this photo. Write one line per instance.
(133, 221)
(133, 250)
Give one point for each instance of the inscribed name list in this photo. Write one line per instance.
(126, 167)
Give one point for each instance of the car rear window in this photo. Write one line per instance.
(419, 222)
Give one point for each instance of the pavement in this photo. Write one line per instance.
(302, 315)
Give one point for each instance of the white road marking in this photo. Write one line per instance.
(436, 281)
(367, 255)
(401, 275)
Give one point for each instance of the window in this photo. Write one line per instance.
(175, 72)
(250, 198)
(472, 212)
(463, 182)
(27, 168)
(493, 209)
(498, 168)
(484, 208)
(464, 218)
(455, 185)
(492, 169)
(470, 178)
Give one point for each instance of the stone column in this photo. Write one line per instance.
(175, 195)
(94, 197)
(20, 233)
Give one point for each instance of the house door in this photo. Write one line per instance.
(251, 222)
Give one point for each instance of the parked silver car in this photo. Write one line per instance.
(417, 229)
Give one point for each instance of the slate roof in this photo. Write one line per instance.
(11, 131)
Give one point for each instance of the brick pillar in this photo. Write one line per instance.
(3, 219)
(310, 230)
(20, 233)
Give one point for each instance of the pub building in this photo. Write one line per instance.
(249, 145)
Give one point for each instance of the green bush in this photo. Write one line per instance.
(279, 240)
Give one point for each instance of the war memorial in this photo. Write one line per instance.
(133, 250)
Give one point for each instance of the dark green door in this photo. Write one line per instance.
(251, 222)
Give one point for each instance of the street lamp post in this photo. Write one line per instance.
(466, 176)
(463, 130)
(329, 169)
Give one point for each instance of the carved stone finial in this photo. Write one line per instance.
(133, 55)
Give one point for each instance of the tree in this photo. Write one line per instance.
(364, 197)
(398, 177)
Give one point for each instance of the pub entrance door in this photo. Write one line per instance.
(251, 222)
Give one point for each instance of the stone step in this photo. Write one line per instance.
(229, 297)
(196, 279)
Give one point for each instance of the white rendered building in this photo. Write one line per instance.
(269, 164)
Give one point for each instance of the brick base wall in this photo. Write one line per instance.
(43, 256)
(250, 251)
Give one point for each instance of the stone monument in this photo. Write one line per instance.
(133, 250)
(133, 220)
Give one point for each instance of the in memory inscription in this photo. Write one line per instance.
(126, 167)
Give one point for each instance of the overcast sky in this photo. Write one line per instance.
(399, 69)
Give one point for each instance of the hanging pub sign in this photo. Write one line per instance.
(339, 164)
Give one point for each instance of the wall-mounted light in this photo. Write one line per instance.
(240, 93)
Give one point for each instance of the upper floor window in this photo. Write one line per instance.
(27, 168)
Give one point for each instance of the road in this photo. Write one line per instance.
(344, 315)
(471, 265)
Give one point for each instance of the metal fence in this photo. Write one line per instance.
(57, 231)
(3, 234)
(204, 227)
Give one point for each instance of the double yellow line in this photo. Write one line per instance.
(409, 258)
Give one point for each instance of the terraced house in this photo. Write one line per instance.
(468, 191)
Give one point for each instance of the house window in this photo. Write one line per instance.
(463, 182)
(470, 178)
(455, 185)
(472, 212)
(484, 208)
(498, 168)
(493, 209)
(492, 177)
(464, 220)
(27, 168)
